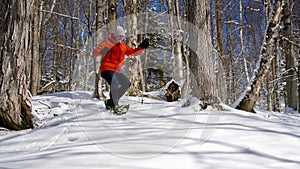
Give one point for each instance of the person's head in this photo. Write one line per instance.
(119, 33)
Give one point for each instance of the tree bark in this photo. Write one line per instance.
(252, 94)
(219, 25)
(200, 62)
(112, 11)
(178, 76)
(242, 41)
(15, 109)
(133, 62)
(291, 76)
(98, 80)
(34, 78)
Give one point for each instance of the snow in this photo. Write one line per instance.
(75, 131)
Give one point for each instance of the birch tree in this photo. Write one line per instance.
(98, 80)
(242, 41)
(273, 78)
(251, 96)
(133, 63)
(15, 109)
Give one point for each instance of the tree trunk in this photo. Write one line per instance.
(35, 50)
(222, 68)
(15, 109)
(271, 78)
(219, 25)
(291, 76)
(176, 53)
(231, 73)
(178, 76)
(98, 80)
(112, 11)
(251, 96)
(133, 62)
(242, 41)
(40, 58)
(171, 26)
(276, 74)
(200, 62)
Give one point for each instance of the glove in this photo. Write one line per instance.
(145, 43)
(104, 51)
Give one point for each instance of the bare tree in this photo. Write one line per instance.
(178, 74)
(15, 109)
(98, 81)
(221, 61)
(133, 70)
(36, 22)
(200, 55)
(231, 72)
(251, 96)
(112, 10)
(242, 41)
(291, 76)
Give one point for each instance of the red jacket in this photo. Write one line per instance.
(114, 58)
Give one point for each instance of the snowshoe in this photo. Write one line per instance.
(120, 109)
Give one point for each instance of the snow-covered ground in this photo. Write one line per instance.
(75, 131)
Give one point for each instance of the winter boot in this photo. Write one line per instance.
(108, 104)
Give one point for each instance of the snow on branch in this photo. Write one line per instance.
(292, 42)
(51, 10)
(46, 104)
(60, 14)
(47, 87)
(67, 47)
(233, 21)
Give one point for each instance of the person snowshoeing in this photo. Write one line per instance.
(113, 51)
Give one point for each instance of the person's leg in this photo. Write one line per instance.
(109, 76)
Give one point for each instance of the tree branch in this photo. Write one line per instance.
(292, 42)
(59, 14)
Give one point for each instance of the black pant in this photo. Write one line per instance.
(119, 84)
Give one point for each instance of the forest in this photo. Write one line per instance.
(244, 53)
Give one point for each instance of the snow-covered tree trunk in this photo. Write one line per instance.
(269, 78)
(276, 76)
(291, 76)
(242, 41)
(272, 79)
(252, 94)
(15, 109)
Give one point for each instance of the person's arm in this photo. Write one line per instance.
(101, 49)
(133, 52)
(137, 51)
